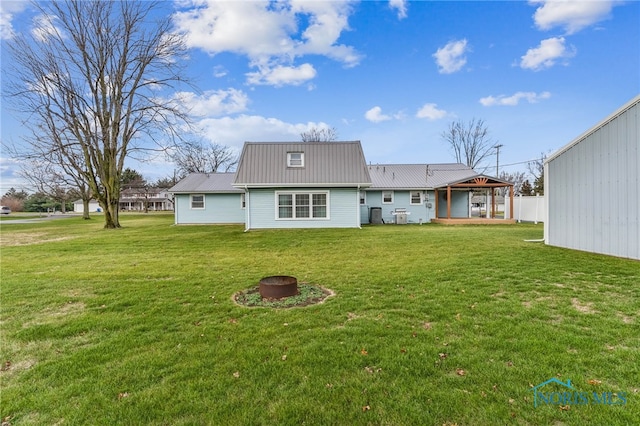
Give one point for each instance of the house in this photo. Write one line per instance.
(78, 206)
(208, 198)
(419, 191)
(592, 188)
(327, 184)
(145, 199)
(302, 185)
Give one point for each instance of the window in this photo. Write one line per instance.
(305, 205)
(319, 206)
(295, 159)
(363, 197)
(387, 197)
(197, 201)
(243, 200)
(416, 197)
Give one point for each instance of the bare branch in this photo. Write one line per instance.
(470, 143)
(323, 134)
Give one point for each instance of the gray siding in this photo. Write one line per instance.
(593, 188)
(343, 210)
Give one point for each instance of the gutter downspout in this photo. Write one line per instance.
(247, 214)
(358, 208)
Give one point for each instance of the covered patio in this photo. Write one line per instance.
(477, 183)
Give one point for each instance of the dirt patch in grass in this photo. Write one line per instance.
(49, 315)
(9, 368)
(308, 294)
(625, 318)
(27, 239)
(587, 308)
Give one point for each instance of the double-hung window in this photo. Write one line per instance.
(416, 197)
(197, 201)
(387, 197)
(302, 205)
(363, 198)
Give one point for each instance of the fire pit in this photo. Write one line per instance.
(278, 286)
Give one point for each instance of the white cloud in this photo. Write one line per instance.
(514, 99)
(547, 54)
(401, 6)
(375, 115)
(44, 28)
(281, 75)
(431, 112)
(219, 71)
(271, 34)
(8, 10)
(213, 102)
(572, 15)
(234, 131)
(451, 57)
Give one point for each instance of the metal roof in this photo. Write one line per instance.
(417, 176)
(264, 164)
(205, 183)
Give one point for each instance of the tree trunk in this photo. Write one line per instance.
(85, 209)
(111, 216)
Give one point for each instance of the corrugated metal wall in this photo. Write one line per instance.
(593, 188)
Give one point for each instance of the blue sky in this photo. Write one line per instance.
(394, 74)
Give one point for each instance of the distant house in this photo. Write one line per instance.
(145, 199)
(592, 188)
(328, 185)
(78, 206)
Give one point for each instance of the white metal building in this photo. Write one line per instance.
(592, 186)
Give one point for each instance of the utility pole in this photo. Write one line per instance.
(493, 191)
(497, 147)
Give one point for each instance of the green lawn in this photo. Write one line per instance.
(429, 325)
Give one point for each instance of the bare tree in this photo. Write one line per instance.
(323, 134)
(470, 142)
(536, 168)
(52, 181)
(202, 157)
(53, 173)
(517, 178)
(92, 79)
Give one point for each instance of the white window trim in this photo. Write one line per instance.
(362, 196)
(294, 193)
(243, 200)
(387, 202)
(204, 203)
(295, 165)
(411, 198)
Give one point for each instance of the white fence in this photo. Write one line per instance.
(529, 209)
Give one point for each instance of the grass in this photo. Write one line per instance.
(430, 325)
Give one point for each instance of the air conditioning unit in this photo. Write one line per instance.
(400, 216)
